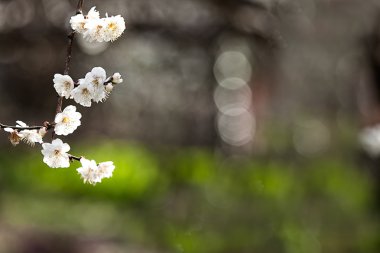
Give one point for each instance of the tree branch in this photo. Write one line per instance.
(21, 128)
(68, 59)
(72, 157)
(47, 125)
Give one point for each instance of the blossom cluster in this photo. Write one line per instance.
(56, 156)
(93, 173)
(65, 123)
(93, 28)
(29, 136)
(94, 87)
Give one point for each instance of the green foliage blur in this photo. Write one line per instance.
(194, 200)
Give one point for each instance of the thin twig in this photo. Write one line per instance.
(108, 80)
(68, 59)
(80, 6)
(46, 125)
(67, 68)
(21, 128)
(72, 157)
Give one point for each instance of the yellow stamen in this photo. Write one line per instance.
(112, 26)
(65, 120)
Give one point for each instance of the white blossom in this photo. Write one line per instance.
(92, 173)
(89, 171)
(42, 131)
(91, 88)
(116, 78)
(55, 154)
(83, 94)
(67, 121)
(63, 84)
(114, 28)
(96, 79)
(94, 30)
(97, 76)
(78, 23)
(30, 136)
(14, 136)
(105, 169)
(109, 88)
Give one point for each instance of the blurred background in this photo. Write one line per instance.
(236, 128)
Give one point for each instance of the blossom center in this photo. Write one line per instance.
(67, 84)
(112, 27)
(85, 92)
(56, 152)
(96, 82)
(14, 137)
(65, 120)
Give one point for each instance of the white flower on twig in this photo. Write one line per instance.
(116, 78)
(109, 88)
(92, 173)
(94, 30)
(42, 131)
(14, 136)
(89, 171)
(105, 169)
(96, 79)
(114, 28)
(98, 29)
(82, 94)
(31, 136)
(67, 121)
(55, 154)
(63, 84)
(78, 23)
(91, 88)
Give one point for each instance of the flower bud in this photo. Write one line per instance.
(116, 78)
(42, 131)
(109, 87)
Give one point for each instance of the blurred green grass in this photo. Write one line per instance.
(194, 200)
